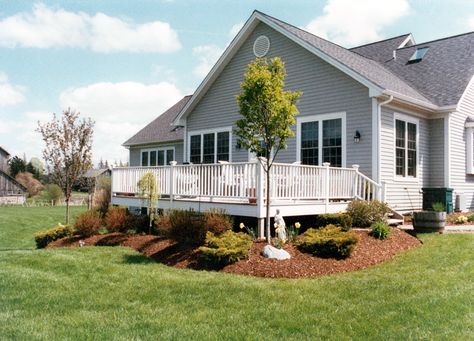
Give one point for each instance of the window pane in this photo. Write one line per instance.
(144, 158)
(309, 143)
(153, 158)
(161, 158)
(208, 148)
(400, 134)
(400, 161)
(223, 146)
(169, 156)
(411, 149)
(195, 149)
(332, 142)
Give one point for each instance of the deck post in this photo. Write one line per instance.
(356, 179)
(171, 181)
(260, 193)
(326, 185)
(261, 228)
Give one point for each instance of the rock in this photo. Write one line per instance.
(274, 253)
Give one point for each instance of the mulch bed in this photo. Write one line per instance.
(369, 251)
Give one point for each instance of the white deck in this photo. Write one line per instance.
(239, 188)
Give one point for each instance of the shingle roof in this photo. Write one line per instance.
(3, 150)
(160, 129)
(367, 68)
(381, 51)
(93, 173)
(444, 72)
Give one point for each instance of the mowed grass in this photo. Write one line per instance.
(17, 223)
(101, 293)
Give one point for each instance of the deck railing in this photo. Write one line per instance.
(247, 180)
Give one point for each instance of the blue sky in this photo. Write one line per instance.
(124, 62)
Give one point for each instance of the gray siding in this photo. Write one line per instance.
(325, 90)
(136, 150)
(459, 180)
(436, 145)
(404, 194)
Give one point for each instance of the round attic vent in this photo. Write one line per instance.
(261, 46)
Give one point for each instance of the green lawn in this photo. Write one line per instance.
(99, 293)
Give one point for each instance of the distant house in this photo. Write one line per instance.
(400, 112)
(94, 176)
(11, 191)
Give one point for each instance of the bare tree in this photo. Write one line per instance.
(67, 153)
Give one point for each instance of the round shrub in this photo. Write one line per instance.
(117, 219)
(217, 221)
(380, 230)
(365, 213)
(227, 248)
(43, 238)
(88, 223)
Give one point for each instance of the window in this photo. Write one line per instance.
(469, 147)
(157, 157)
(321, 139)
(418, 55)
(405, 148)
(210, 146)
(195, 149)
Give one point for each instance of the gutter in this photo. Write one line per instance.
(379, 136)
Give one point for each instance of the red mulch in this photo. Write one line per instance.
(369, 251)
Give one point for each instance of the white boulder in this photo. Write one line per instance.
(274, 253)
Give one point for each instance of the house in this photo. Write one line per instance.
(93, 177)
(402, 113)
(11, 191)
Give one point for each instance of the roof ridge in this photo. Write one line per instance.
(379, 41)
(439, 39)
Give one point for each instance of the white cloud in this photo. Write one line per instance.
(235, 29)
(45, 28)
(349, 22)
(119, 110)
(10, 94)
(207, 55)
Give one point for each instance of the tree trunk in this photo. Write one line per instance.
(269, 238)
(67, 211)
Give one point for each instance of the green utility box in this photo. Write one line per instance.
(437, 194)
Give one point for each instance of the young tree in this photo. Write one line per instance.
(68, 141)
(268, 112)
(150, 193)
(16, 165)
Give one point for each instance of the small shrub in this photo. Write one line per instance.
(117, 219)
(438, 207)
(470, 218)
(461, 219)
(88, 223)
(43, 238)
(379, 230)
(183, 226)
(52, 193)
(343, 220)
(328, 242)
(227, 248)
(217, 221)
(139, 223)
(365, 213)
(101, 201)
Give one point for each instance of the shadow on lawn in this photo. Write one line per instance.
(137, 259)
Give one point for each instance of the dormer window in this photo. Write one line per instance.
(418, 55)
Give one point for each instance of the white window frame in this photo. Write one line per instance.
(469, 148)
(320, 118)
(415, 121)
(204, 132)
(148, 150)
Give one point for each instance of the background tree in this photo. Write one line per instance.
(150, 193)
(52, 193)
(37, 168)
(32, 185)
(16, 165)
(268, 114)
(68, 155)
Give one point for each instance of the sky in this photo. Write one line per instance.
(123, 63)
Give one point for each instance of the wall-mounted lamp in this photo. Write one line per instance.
(357, 137)
(238, 145)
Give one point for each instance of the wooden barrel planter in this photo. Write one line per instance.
(429, 221)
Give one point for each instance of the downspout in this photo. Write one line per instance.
(379, 136)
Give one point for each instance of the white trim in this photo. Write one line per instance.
(416, 121)
(375, 139)
(447, 148)
(469, 150)
(185, 141)
(464, 94)
(151, 149)
(238, 41)
(320, 118)
(407, 39)
(208, 131)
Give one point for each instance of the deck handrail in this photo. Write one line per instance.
(246, 180)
